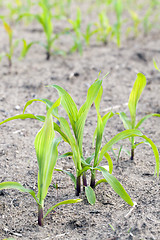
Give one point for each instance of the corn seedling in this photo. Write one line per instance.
(12, 45)
(45, 20)
(117, 26)
(46, 150)
(136, 22)
(101, 152)
(88, 34)
(103, 28)
(77, 38)
(136, 92)
(25, 48)
(77, 121)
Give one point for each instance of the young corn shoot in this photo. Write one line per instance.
(136, 92)
(103, 152)
(12, 45)
(76, 26)
(45, 20)
(46, 150)
(103, 28)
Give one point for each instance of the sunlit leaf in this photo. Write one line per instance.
(90, 194)
(136, 92)
(70, 201)
(17, 186)
(115, 184)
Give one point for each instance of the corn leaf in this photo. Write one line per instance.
(83, 111)
(68, 104)
(138, 87)
(90, 194)
(70, 201)
(63, 135)
(115, 184)
(155, 65)
(110, 163)
(126, 122)
(47, 154)
(68, 173)
(20, 116)
(146, 117)
(48, 105)
(18, 186)
(156, 153)
(117, 138)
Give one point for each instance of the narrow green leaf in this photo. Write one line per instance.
(156, 153)
(68, 104)
(90, 194)
(100, 181)
(65, 155)
(48, 104)
(126, 122)
(146, 117)
(82, 114)
(110, 163)
(117, 138)
(68, 173)
(84, 169)
(17, 186)
(70, 201)
(63, 135)
(115, 184)
(20, 116)
(136, 92)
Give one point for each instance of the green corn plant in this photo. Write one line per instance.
(46, 150)
(103, 28)
(77, 120)
(77, 37)
(12, 44)
(26, 48)
(88, 34)
(135, 94)
(101, 152)
(18, 7)
(118, 7)
(45, 20)
(61, 8)
(136, 22)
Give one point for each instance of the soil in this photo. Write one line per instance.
(110, 217)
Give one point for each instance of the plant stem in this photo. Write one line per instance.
(40, 215)
(132, 148)
(84, 181)
(132, 154)
(78, 186)
(93, 179)
(48, 55)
